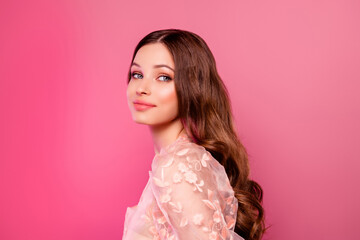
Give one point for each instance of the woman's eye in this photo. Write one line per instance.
(166, 78)
(135, 75)
(163, 78)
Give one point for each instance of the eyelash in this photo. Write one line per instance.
(169, 78)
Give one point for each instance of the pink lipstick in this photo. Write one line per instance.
(141, 105)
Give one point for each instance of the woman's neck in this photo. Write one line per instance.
(163, 135)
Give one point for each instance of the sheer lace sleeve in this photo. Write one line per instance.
(194, 195)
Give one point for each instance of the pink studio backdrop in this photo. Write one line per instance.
(72, 160)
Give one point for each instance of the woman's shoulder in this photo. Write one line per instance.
(196, 155)
(181, 143)
(189, 158)
(183, 149)
(187, 148)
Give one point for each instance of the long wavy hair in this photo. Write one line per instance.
(205, 112)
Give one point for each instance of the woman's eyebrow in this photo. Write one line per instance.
(155, 66)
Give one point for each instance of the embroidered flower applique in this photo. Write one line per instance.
(198, 219)
(189, 175)
(177, 177)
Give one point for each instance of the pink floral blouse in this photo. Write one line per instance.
(187, 196)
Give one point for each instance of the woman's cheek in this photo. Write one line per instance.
(167, 95)
(130, 92)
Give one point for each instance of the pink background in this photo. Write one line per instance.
(72, 160)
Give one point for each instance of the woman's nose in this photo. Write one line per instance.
(143, 87)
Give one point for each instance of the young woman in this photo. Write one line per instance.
(199, 186)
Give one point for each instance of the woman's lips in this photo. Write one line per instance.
(141, 105)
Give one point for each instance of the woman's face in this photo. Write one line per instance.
(152, 82)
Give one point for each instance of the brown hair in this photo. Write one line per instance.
(205, 111)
